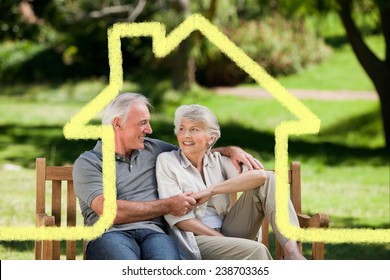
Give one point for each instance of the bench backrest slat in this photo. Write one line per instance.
(57, 181)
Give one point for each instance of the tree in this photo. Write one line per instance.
(378, 70)
(182, 66)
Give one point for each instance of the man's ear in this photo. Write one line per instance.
(117, 123)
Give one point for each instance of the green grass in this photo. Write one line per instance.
(345, 170)
(17, 195)
(17, 210)
(342, 71)
(32, 113)
(353, 196)
(333, 74)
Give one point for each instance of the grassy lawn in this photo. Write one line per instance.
(345, 173)
(345, 170)
(341, 72)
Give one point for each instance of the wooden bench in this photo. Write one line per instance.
(61, 182)
(62, 185)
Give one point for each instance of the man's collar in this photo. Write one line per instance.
(98, 149)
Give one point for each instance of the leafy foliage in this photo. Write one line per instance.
(75, 36)
(280, 46)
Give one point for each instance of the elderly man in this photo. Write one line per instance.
(138, 230)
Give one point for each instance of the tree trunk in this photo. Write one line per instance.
(182, 64)
(180, 77)
(377, 70)
(384, 97)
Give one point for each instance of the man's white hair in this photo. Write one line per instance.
(120, 106)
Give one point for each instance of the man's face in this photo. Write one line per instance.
(132, 132)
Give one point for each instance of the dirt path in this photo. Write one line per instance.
(251, 92)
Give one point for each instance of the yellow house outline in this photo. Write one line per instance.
(78, 128)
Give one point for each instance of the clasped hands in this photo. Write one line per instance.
(186, 202)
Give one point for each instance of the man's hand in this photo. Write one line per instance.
(239, 157)
(181, 204)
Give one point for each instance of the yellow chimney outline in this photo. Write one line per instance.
(78, 128)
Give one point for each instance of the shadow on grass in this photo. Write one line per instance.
(336, 41)
(20, 246)
(351, 251)
(353, 222)
(329, 153)
(25, 143)
(22, 144)
(366, 124)
(326, 152)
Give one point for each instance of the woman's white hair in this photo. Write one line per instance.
(120, 106)
(198, 113)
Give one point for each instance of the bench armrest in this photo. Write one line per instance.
(44, 220)
(319, 220)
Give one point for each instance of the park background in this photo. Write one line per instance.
(53, 61)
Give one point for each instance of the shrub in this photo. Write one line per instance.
(12, 53)
(280, 46)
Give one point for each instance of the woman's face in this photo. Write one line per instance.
(193, 138)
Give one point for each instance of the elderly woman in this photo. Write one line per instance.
(212, 230)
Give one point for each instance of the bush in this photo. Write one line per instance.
(281, 47)
(12, 53)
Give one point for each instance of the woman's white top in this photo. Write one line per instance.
(175, 175)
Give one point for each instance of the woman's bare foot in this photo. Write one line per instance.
(291, 251)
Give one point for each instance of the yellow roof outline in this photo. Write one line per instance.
(78, 128)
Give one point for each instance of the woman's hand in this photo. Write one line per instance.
(201, 196)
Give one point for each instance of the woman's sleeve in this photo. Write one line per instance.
(168, 185)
